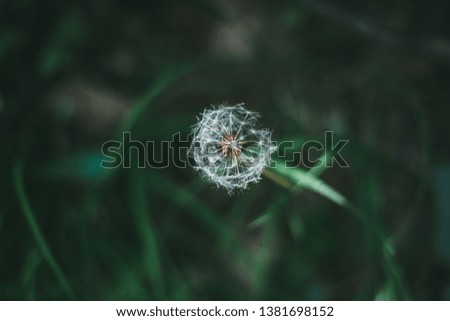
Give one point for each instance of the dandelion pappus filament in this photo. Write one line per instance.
(227, 147)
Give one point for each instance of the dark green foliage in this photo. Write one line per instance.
(77, 74)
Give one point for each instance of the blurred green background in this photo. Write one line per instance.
(76, 74)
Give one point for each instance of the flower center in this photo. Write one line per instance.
(230, 146)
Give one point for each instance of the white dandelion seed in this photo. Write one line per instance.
(227, 148)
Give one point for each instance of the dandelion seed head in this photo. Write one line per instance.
(228, 149)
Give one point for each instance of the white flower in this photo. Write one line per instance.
(227, 148)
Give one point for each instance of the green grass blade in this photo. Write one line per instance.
(158, 86)
(146, 233)
(302, 179)
(295, 187)
(165, 187)
(36, 231)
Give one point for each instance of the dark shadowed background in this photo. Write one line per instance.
(75, 74)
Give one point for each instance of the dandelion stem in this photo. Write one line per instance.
(278, 179)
